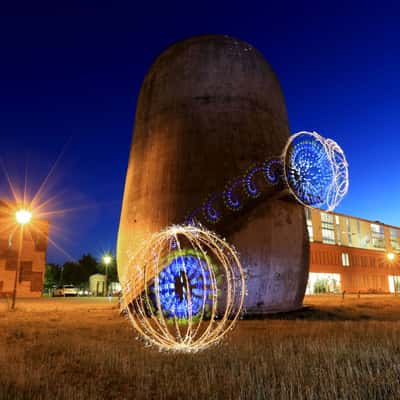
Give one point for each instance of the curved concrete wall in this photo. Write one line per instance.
(209, 108)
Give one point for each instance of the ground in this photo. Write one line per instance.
(82, 349)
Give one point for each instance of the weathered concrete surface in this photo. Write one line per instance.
(209, 108)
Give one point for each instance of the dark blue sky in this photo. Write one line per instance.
(69, 79)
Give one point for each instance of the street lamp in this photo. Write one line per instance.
(107, 259)
(390, 256)
(22, 216)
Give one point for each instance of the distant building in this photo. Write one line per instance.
(97, 284)
(352, 254)
(33, 256)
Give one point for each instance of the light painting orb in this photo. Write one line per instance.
(184, 289)
(186, 270)
(315, 170)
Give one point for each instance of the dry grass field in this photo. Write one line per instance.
(81, 349)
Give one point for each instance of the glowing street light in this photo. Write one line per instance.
(390, 256)
(107, 260)
(22, 216)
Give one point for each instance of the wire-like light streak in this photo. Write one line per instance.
(201, 305)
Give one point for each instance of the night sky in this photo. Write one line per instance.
(70, 77)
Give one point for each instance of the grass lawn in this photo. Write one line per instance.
(81, 349)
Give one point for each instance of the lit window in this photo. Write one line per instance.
(309, 224)
(323, 283)
(378, 236)
(394, 284)
(310, 233)
(360, 241)
(345, 260)
(349, 234)
(338, 234)
(395, 239)
(328, 228)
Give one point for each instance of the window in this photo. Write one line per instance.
(349, 234)
(364, 261)
(378, 236)
(323, 283)
(328, 228)
(345, 260)
(309, 224)
(394, 283)
(372, 261)
(360, 241)
(338, 235)
(395, 239)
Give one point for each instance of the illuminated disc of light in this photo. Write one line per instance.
(185, 289)
(23, 216)
(184, 269)
(315, 170)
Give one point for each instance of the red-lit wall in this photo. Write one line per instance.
(368, 270)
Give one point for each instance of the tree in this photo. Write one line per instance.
(71, 273)
(52, 275)
(88, 266)
(78, 273)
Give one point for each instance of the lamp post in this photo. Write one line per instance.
(107, 259)
(22, 216)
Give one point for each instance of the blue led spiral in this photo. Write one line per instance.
(183, 273)
(192, 218)
(249, 184)
(273, 170)
(210, 212)
(231, 198)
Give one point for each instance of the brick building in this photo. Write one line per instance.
(352, 254)
(33, 256)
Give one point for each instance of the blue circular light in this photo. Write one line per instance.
(309, 171)
(184, 286)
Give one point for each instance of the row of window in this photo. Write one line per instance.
(332, 234)
(347, 260)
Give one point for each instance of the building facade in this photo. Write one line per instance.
(33, 255)
(352, 254)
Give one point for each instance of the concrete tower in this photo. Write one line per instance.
(209, 108)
